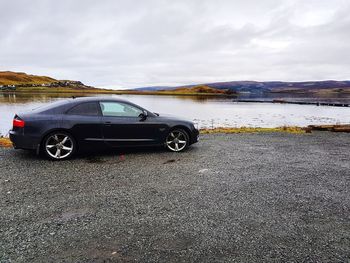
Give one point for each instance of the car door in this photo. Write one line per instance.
(84, 122)
(123, 126)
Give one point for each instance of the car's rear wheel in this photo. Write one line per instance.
(177, 140)
(59, 146)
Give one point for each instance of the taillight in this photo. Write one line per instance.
(17, 122)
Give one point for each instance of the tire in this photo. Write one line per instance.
(177, 140)
(59, 146)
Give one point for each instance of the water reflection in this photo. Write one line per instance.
(13, 97)
(47, 97)
(34, 97)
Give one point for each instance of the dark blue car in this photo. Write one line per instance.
(62, 128)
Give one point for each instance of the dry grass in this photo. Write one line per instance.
(15, 78)
(253, 130)
(5, 142)
(332, 128)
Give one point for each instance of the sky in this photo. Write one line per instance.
(132, 43)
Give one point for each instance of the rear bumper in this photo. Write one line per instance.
(21, 141)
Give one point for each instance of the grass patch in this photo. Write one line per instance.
(5, 142)
(253, 130)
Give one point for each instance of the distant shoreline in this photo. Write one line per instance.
(115, 92)
(29, 90)
(20, 82)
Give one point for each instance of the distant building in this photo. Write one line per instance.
(7, 87)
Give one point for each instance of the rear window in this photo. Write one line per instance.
(85, 109)
(50, 106)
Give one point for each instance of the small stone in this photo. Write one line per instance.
(114, 252)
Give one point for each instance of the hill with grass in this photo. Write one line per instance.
(257, 87)
(201, 89)
(20, 81)
(20, 78)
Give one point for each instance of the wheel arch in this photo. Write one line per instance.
(183, 127)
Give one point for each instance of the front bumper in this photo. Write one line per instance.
(195, 136)
(21, 141)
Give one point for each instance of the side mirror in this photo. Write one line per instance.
(143, 115)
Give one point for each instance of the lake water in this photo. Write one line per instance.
(204, 111)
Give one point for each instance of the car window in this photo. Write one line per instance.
(50, 106)
(86, 109)
(119, 109)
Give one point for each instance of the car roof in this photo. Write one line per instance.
(97, 98)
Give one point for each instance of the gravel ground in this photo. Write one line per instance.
(230, 198)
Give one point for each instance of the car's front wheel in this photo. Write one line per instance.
(59, 146)
(177, 140)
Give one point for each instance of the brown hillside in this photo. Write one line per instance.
(202, 89)
(17, 78)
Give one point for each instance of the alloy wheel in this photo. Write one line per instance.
(59, 146)
(177, 140)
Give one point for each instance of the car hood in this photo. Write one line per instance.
(168, 117)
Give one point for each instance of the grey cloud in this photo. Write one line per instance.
(160, 42)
